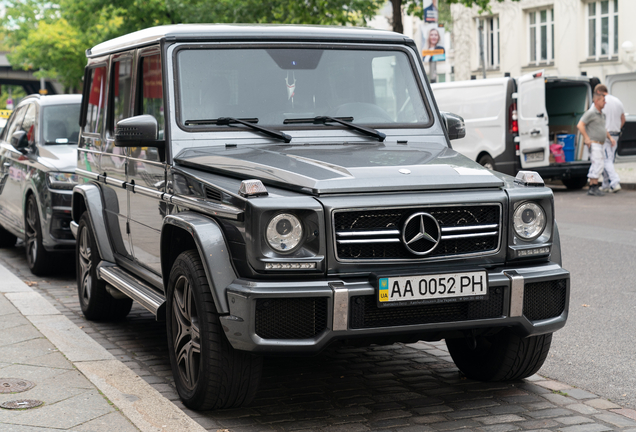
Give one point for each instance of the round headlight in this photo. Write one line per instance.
(529, 221)
(284, 232)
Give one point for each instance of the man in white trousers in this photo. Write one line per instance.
(614, 121)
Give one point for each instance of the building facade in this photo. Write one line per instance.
(564, 37)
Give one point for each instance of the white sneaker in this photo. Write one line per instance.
(615, 188)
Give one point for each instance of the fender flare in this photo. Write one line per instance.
(213, 250)
(555, 256)
(91, 194)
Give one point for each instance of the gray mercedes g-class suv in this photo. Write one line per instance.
(276, 189)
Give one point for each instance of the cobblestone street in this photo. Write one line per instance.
(399, 387)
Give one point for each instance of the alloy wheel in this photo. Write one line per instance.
(186, 333)
(85, 264)
(32, 231)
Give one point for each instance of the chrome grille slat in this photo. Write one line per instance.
(375, 234)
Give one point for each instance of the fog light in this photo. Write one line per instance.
(533, 252)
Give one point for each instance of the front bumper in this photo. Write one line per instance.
(304, 317)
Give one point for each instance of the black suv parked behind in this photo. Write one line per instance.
(276, 189)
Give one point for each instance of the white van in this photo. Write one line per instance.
(511, 122)
(623, 86)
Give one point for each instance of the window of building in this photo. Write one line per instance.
(541, 37)
(488, 38)
(602, 29)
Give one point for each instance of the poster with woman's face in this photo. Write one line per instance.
(432, 42)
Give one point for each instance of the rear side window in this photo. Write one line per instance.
(152, 89)
(122, 83)
(96, 100)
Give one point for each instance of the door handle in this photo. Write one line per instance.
(540, 115)
(535, 132)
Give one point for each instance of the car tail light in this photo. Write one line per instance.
(512, 118)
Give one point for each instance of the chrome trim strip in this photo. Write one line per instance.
(133, 288)
(215, 209)
(367, 233)
(89, 174)
(470, 228)
(145, 191)
(358, 241)
(112, 181)
(458, 236)
(517, 287)
(340, 307)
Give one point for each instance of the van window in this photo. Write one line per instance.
(152, 89)
(96, 100)
(122, 83)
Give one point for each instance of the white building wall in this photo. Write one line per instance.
(570, 39)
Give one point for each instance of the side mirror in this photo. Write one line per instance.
(454, 126)
(19, 140)
(138, 131)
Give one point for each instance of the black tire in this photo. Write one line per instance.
(96, 302)
(7, 239)
(575, 183)
(39, 259)
(504, 356)
(208, 372)
(487, 162)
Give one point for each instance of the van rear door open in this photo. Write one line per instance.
(533, 121)
(623, 86)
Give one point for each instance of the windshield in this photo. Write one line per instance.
(61, 124)
(273, 85)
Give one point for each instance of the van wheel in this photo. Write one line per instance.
(487, 162)
(503, 356)
(38, 259)
(7, 239)
(575, 183)
(95, 301)
(208, 372)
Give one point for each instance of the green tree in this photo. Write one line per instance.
(51, 36)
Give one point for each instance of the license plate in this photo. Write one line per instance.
(433, 288)
(535, 157)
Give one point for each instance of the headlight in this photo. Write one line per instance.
(284, 232)
(58, 180)
(529, 221)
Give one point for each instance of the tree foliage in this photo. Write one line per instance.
(51, 36)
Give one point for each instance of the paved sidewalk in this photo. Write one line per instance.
(78, 385)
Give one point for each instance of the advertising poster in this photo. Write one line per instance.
(430, 11)
(432, 42)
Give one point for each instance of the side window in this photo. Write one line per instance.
(15, 122)
(28, 124)
(152, 90)
(96, 100)
(122, 83)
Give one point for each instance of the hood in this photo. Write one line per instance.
(345, 168)
(61, 157)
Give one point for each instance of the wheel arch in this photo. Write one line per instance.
(189, 230)
(88, 198)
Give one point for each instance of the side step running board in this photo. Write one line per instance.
(134, 288)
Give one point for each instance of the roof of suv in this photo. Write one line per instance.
(237, 32)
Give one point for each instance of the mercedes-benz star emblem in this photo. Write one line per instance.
(421, 233)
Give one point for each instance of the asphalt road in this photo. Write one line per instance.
(596, 350)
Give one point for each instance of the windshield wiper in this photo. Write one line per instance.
(346, 121)
(249, 122)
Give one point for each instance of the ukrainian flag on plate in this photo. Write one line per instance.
(384, 289)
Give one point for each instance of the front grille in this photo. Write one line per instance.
(543, 300)
(377, 234)
(291, 318)
(365, 312)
